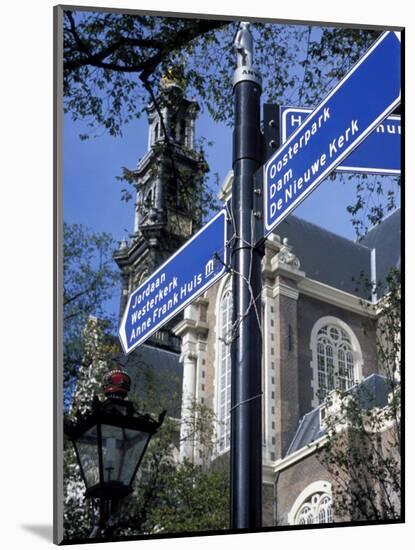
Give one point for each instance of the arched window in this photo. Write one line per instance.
(305, 515)
(337, 358)
(149, 200)
(318, 509)
(313, 505)
(325, 512)
(223, 371)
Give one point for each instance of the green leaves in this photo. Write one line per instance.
(190, 498)
(106, 56)
(110, 59)
(89, 280)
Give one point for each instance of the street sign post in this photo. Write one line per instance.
(363, 98)
(246, 342)
(181, 279)
(379, 153)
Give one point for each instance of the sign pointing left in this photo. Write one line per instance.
(181, 279)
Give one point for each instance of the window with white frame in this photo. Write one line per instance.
(313, 505)
(337, 357)
(318, 509)
(224, 369)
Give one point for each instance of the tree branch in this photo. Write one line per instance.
(176, 41)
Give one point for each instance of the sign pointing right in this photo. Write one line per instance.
(379, 153)
(352, 110)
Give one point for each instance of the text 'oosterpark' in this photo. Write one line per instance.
(285, 186)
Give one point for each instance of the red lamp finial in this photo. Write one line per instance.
(116, 383)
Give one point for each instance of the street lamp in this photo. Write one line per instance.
(110, 443)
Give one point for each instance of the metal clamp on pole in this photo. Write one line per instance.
(245, 73)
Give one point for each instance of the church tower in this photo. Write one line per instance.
(168, 182)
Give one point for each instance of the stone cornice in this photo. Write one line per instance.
(268, 474)
(198, 328)
(137, 248)
(334, 296)
(273, 243)
(282, 289)
(312, 288)
(184, 326)
(292, 458)
(151, 156)
(144, 162)
(188, 356)
(202, 328)
(274, 267)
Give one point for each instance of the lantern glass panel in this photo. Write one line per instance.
(121, 451)
(87, 446)
(134, 449)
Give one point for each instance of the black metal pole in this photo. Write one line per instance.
(246, 443)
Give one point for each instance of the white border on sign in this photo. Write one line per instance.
(210, 282)
(270, 227)
(345, 168)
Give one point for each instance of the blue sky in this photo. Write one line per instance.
(92, 194)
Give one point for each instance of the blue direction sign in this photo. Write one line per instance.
(351, 111)
(190, 271)
(379, 153)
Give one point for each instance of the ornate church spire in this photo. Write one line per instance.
(168, 182)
